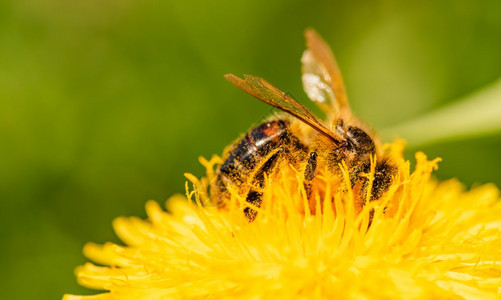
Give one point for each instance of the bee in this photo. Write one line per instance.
(342, 138)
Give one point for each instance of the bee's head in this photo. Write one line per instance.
(357, 140)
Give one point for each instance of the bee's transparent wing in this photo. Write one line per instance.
(264, 91)
(321, 77)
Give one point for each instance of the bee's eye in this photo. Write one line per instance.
(360, 141)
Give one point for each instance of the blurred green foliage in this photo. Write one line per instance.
(104, 104)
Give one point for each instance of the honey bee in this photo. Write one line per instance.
(341, 138)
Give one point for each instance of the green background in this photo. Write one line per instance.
(105, 104)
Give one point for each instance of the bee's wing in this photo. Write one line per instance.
(264, 91)
(322, 79)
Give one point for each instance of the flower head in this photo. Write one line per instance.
(421, 239)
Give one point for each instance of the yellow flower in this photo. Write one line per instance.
(421, 240)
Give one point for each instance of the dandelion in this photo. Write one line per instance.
(421, 239)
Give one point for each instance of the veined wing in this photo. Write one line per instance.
(264, 91)
(322, 80)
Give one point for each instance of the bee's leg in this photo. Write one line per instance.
(255, 197)
(383, 176)
(309, 172)
(382, 179)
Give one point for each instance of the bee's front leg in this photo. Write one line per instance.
(309, 172)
